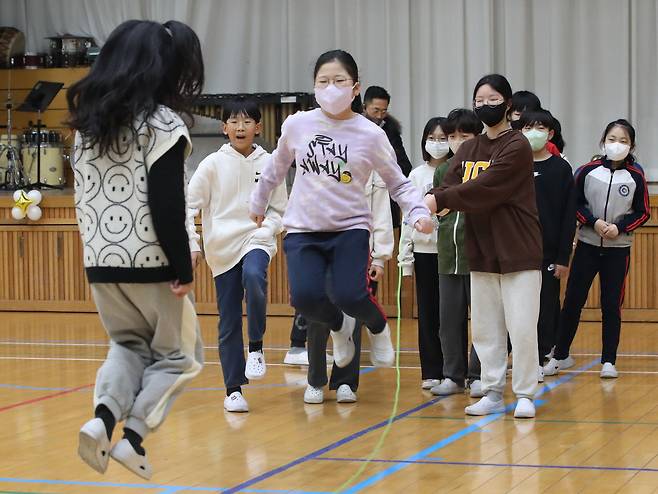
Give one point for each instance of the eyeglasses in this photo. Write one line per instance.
(338, 81)
(434, 139)
(478, 103)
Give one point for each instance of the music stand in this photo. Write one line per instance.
(37, 101)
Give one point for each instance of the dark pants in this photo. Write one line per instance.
(453, 310)
(426, 268)
(298, 331)
(248, 277)
(341, 260)
(317, 358)
(549, 310)
(611, 264)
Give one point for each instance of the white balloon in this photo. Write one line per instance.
(34, 212)
(17, 195)
(17, 213)
(34, 196)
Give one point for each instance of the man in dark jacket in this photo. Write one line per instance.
(375, 106)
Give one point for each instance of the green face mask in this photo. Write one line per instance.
(537, 138)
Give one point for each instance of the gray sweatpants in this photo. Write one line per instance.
(155, 349)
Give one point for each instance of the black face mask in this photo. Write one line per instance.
(491, 115)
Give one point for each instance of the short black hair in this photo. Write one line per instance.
(462, 120)
(525, 101)
(241, 106)
(430, 126)
(532, 117)
(376, 92)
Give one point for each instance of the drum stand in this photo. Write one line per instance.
(37, 101)
(14, 177)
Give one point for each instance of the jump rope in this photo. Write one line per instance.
(396, 399)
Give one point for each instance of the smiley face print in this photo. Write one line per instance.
(116, 223)
(118, 184)
(113, 256)
(150, 256)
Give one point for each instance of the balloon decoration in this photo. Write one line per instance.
(27, 204)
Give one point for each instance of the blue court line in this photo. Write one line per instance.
(459, 434)
(439, 461)
(315, 454)
(167, 489)
(32, 388)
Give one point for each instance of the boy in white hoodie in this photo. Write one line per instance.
(237, 251)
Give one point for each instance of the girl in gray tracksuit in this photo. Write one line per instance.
(612, 202)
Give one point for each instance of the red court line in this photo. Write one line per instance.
(42, 398)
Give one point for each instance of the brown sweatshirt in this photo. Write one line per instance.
(492, 181)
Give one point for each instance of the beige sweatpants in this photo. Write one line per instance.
(502, 304)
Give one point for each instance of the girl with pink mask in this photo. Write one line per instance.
(328, 219)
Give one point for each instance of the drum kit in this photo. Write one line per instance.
(35, 158)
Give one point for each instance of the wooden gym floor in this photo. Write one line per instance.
(589, 435)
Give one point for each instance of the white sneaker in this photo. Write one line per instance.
(447, 387)
(382, 353)
(94, 446)
(343, 342)
(608, 371)
(124, 453)
(551, 368)
(485, 406)
(566, 363)
(313, 395)
(476, 389)
(540, 374)
(430, 383)
(525, 409)
(344, 394)
(235, 402)
(255, 367)
(296, 356)
(551, 353)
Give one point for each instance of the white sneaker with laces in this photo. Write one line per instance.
(235, 402)
(296, 356)
(540, 374)
(447, 387)
(430, 383)
(608, 371)
(255, 367)
(344, 394)
(94, 446)
(343, 343)
(313, 395)
(525, 409)
(124, 453)
(382, 353)
(485, 406)
(551, 368)
(476, 389)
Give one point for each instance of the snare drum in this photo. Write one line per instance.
(52, 163)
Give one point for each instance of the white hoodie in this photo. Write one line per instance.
(412, 240)
(220, 188)
(381, 238)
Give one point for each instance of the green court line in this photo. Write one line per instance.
(558, 421)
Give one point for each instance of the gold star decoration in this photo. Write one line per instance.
(23, 202)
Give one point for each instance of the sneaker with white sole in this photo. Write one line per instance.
(255, 367)
(525, 409)
(313, 395)
(124, 453)
(344, 394)
(551, 368)
(540, 374)
(429, 383)
(94, 446)
(382, 353)
(486, 406)
(566, 363)
(296, 356)
(476, 389)
(447, 387)
(608, 371)
(235, 402)
(343, 343)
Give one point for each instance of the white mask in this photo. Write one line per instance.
(616, 151)
(333, 99)
(537, 138)
(437, 149)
